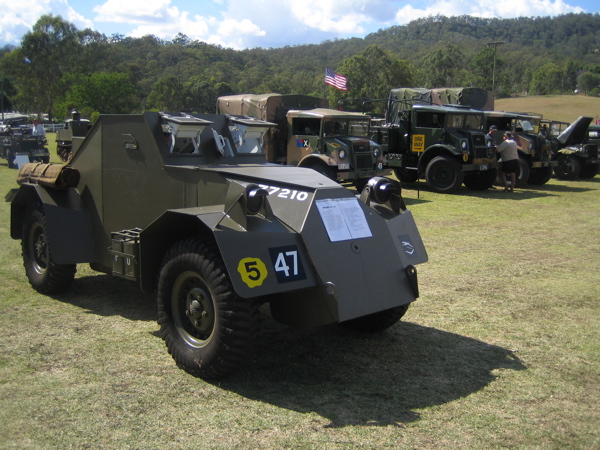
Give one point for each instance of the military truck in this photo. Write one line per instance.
(308, 134)
(578, 156)
(443, 144)
(73, 133)
(188, 207)
(17, 141)
(535, 146)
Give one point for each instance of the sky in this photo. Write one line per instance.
(241, 24)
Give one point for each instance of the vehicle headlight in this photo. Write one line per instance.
(255, 199)
(376, 152)
(342, 154)
(463, 145)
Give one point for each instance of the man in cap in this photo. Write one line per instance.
(509, 155)
(490, 141)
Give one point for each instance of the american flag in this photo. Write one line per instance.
(335, 80)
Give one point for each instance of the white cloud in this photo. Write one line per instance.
(487, 8)
(18, 17)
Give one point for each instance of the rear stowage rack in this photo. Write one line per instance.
(125, 252)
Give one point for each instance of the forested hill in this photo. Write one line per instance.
(98, 74)
(567, 36)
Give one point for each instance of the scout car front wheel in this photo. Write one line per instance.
(209, 331)
(44, 275)
(378, 321)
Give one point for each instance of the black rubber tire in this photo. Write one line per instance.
(523, 173)
(568, 167)
(324, 169)
(443, 175)
(406, 175)
(588, 171)
(44, 275)
(481, 180)
(209, 331)
(378, 321)
(540, 176)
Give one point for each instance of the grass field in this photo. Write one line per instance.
(501, 349)
(564, 108)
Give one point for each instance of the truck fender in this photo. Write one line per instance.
(432, 152)
(315, 158)
(69, 226)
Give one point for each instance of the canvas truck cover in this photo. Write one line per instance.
(269, 107)
(475, 98)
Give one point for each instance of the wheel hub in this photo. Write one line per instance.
(199, 310)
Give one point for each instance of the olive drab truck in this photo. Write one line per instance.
(577, 153)
(535, 148)
(187, 206)
(309, 134)
(442, 143)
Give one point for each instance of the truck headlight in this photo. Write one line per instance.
(376, 152)
(463, 145)
(342, 154)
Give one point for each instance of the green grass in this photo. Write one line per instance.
(500, 350)
(565, 108)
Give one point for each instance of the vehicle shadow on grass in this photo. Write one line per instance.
(378, 379)
(347, 377)
(107, 295)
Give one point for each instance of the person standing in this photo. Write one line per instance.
(38, 128)
(509, 154)
(490, 140)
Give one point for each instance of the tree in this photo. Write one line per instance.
(441, 67)
(588, 81)
(547, 80)
(104, 93)
(46, 53)
(483, 74)
(372, 73)
(167, 95)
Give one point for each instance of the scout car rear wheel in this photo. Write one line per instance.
(443, 175)
(378, 321)
(207, 328)
(44, 275)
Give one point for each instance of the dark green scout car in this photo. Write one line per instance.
(188, 207)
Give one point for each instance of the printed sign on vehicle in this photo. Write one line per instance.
(300, 142)
(285, 263)
(418, 142)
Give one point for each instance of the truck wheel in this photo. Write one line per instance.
(481, 180)
(443, 175)
(324, 169)
(568, 167)
(406, 175)
(588, 171)
(44, 275)
(378, 321)
(209, 331)
(523, 173)
(540, 175)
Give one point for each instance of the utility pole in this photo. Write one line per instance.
(494, 44)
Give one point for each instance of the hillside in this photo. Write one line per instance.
(566, 108)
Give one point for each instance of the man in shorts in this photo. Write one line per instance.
(509, 154)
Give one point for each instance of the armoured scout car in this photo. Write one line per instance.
(188, 206)
(309, 134)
